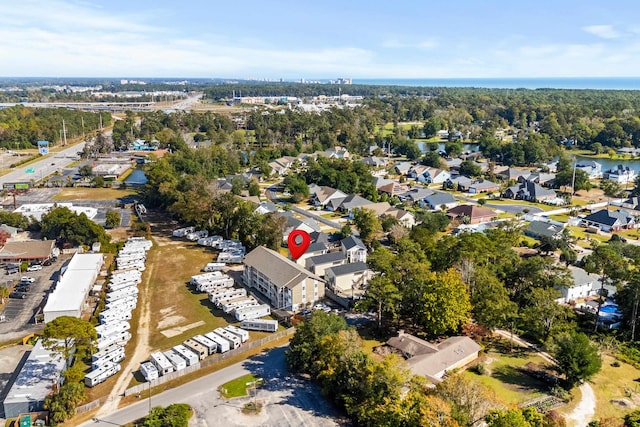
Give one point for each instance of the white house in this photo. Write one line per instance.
(354, 250)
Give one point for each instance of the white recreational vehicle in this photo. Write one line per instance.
(120, 338)
(264, 325)
(114, 314)
(149, 371)
(214, 266)
(112, 328)
(162, 363)
(236, 303)
(244, 335)
(211, 346)
(234, 340)
(181, 232)
(101, 374)
(226, 293)
(196, 235)
(176, 360)
(200, 350)
(223, 344)
(189, 356)
(252, 312)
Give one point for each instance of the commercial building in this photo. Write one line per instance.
(39, 376)
(30, 250)
(74, 284)
(286, 284)
(36, 210)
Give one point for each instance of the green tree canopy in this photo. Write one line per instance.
(578, 359)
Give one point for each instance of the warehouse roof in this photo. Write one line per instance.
(30, 249)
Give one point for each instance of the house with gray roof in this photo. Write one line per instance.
(286, 285)
(354, 250)
(538, 229)
(348, 279)
(438, 199)
(610, 221)
(529, 191)
(415, 195)
(349, 203)
(316, 248)
(322, 195)
(584, 285)
(433, 361)
(320, 263)
(459, 183)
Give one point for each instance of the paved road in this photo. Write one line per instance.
(515, 208)
(288, 401)
(43, 168)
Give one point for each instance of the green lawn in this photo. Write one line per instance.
(238, 387)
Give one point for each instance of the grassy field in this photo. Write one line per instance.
(238, 387)
(93, 194)
(615, 384)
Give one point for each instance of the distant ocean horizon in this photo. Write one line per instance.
(603, 83)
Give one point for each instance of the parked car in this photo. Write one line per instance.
(12, 270)
(47, 262)
(27, 279)
(36, 267)
(23, 288)
(17, 294)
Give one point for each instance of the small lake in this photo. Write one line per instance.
(612, 163)
(137, 178)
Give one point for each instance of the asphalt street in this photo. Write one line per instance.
(288, 400)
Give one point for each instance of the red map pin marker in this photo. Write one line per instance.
(298, 242)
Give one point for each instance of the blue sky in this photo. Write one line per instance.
(320, 39)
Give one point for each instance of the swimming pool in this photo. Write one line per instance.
(610, 308)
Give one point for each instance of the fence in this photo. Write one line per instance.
(91, 405)
(208, 362)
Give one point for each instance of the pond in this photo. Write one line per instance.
(612, 163)
(137, 178)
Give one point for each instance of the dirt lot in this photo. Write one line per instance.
(81, 193)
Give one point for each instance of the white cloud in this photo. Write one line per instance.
(602, 31)
(395, 43)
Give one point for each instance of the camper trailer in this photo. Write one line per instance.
(112, 357)
(223, 344)
(200, 350)
(195, 235)
(101, 374)
(263, 325)
(215, 285)
(236, 257)
(115, 314)
(189, 356)
(149, 371)
(121, 285)
(122, 293)
(162, 363)
(214, 266)
(112, 328)
(244, 335)
(176, 360)
(119, 338)
(233, 339)
(252, 312)
(181, 232)
(226, 293)
(240, 302)
(211, 346)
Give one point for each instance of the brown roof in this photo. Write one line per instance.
(450, 352)
(471, 211)
(279, 270)
(411, 345)
(30, 249)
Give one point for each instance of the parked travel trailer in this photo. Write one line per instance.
(112, 328)
(240, 302)
(189, 356)
(122, 293)
(149, 371)
(263, 325)
(181, 232)
(101, 374)
(124, 304)
(214, 266)
(176, 360)
(200, 278)
(112, 357)
(231, 257)
(121, 285)
(119, 338)
(244, 335)
(215, 285)
(195, 235)
(162, 363)
(233, 339)
(127, 276)
(139, 241)
(226, 293)
(211, 346)
(200, 350)
(223, 344)
(252, 312)
(105, 351)
(114, 314)
(211, 241)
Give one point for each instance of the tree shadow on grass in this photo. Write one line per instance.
(517, 379)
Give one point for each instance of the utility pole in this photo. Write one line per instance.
(64, 132)
(82, 118)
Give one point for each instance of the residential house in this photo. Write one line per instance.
(406, 219)
(265, 208)
(9, 230)
(471, 214)
(435, 176)
(621, 174)
(417, 171)
(433, 361)
(538, 229)
(322, 196)
(592, 168)
(349, 203)
(453, 163)
(314, 249)
(632, 203)
(379, 208)
(320, 263)
(348, 279)
(415, 196)
(402, 168)
(458, 183)
(375, 162)
(393, 188)
(607, 220)
(483, 186)
(584, 285)
(541, 178)
(438, 199)
(307, 224)
(336, 153)
(354, 250)
(512, 174)
(529, 191)
(284, 283)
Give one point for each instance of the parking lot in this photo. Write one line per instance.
(19, 313)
